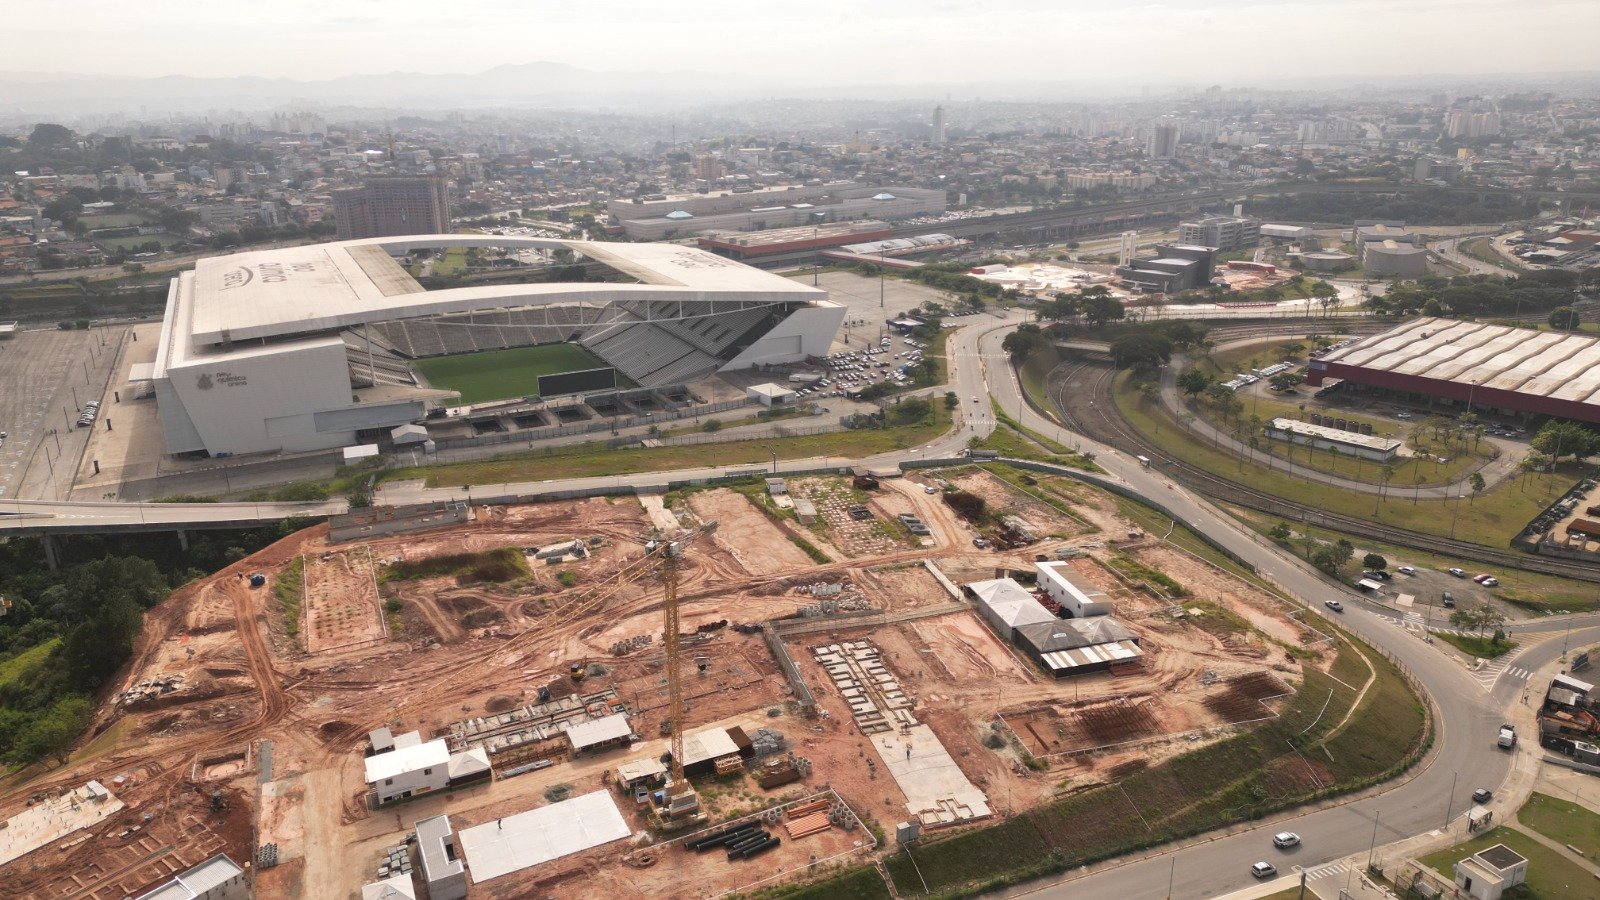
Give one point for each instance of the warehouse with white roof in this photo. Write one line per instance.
(272, 350)
(1454, 365)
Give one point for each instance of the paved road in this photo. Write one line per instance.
(1451, 250)
(42, 516)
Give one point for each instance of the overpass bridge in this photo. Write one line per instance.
(52, 520)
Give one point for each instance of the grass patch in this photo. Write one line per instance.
(1133, 570)
(1244, 777)
(817, 556)
(503, 374)
(1562, 821)
(289, 589)
(500, 564)
(1480, 250)
(135, 241)
(596, 459)
(1551, 876)
(27, 665)
(1492, 520)
(1481, 647)
(857, 884)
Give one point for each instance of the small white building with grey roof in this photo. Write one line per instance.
(218, 878)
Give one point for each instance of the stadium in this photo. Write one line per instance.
(324, 346)
(1489, 368)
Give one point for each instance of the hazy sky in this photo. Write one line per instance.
(821, 41)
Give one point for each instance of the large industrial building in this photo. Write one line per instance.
(666, 217)
(1175, 267)
(388, 206)
(306, 348)
(1492, 369)
(1388, 250)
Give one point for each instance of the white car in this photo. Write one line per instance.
(1263, 870)
(1285, 839)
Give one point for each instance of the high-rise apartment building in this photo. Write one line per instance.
(938, 126)
(1223, 233)
(390, 206)
(1163, 140)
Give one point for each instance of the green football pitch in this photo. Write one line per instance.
(502, 374)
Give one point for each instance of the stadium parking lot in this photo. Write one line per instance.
(40, 370)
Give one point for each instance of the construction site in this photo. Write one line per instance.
(674, 693)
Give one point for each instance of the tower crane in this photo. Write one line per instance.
(681, 798)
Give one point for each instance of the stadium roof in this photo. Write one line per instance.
(1549, 364)
(325, 287)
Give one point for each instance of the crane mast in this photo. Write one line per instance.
(669, 606)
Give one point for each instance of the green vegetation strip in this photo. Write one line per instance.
(502, 374)
(1481, 647)
(1551, 876)
(289, 589)
(1247, 776)
(1492, 519)
(857, 884)
(596, 459)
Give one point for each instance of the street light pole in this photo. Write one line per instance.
(1373, 848)
(1450, 799)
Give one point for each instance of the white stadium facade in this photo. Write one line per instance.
(306, 348)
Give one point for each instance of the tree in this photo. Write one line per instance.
(1027, 340)
(1194, 381)
(1564, 318)
(54, 733)
(951, 401)
(1286, 381)
(1558, 439)
(49, 136)
(1478, 617)
(1374, 561)
(1141, 352)
(1344, 551)
(1100, 308)
(1291, 349)
(1476, 482)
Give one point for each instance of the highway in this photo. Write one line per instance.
(1466, 713)
(36, 517)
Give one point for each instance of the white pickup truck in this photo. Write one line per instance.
(1508, 737)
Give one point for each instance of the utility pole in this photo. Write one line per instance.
(1450, 799)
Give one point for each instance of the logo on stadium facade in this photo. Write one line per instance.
(203, 382)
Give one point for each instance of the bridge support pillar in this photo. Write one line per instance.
(49, 551)
(183, 539)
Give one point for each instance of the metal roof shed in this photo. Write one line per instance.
(601, 732)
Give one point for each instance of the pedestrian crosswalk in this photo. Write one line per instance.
(1495, 670)
(1328, 870)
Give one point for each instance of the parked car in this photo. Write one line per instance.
(1377, 575)
(1406, 570)
(1486, 579)
(1482, 795)
(1285, 839)
(1334, 605)
(1263, 870)
(1459, 573)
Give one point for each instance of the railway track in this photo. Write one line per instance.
(1092, 412)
